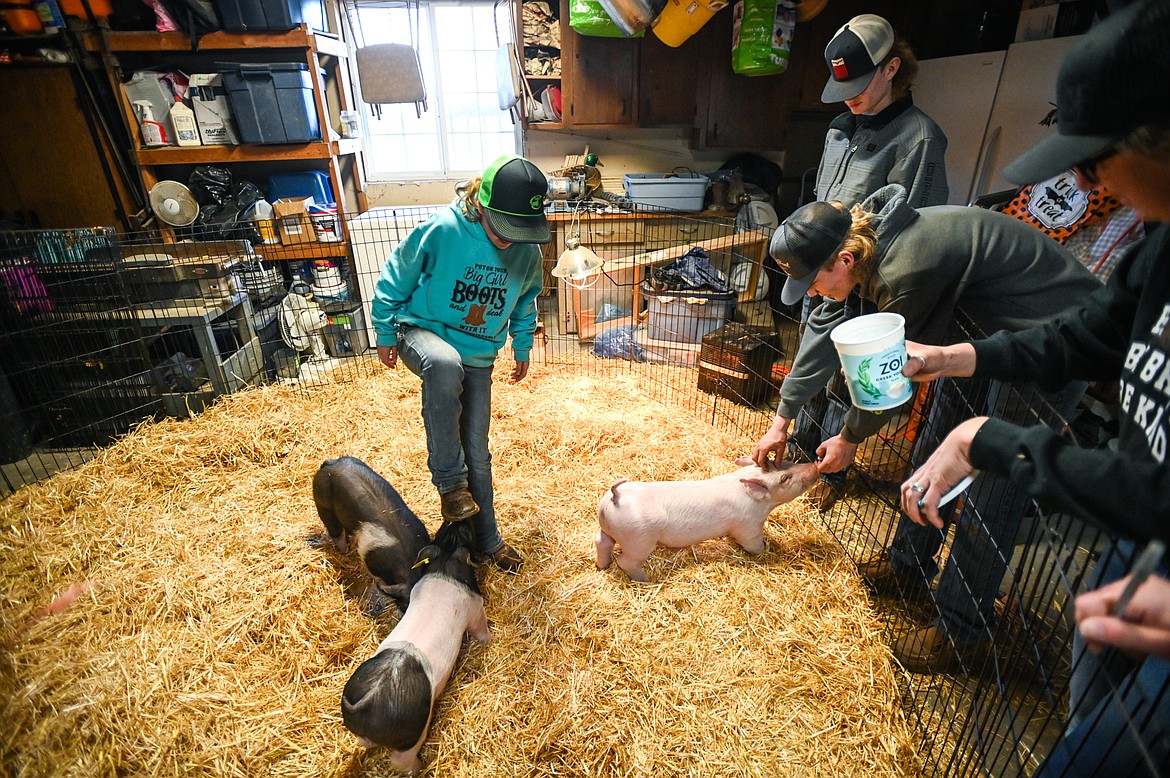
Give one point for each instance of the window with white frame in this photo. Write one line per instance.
(463, 128)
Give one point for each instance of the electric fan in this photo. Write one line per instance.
(301, 323)
(173, 203)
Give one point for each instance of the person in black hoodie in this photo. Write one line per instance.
(1113, 129)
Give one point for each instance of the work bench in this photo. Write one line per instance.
(632, 243)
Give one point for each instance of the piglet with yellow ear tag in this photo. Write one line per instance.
(389, 699)
(360, 508)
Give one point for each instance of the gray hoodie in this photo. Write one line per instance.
(1001, 272)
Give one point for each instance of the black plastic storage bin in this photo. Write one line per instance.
(273, 102)
(270, 15)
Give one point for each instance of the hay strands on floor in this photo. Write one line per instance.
(217, 638)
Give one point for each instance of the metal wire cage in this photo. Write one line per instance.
(104, 330)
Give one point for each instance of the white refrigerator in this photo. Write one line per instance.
(993, 107)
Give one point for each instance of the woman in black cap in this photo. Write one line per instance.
(1113, 129)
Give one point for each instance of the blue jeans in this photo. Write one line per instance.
(1119, 706)
(991, 510)
(457, 414)
(1095, 674)
(1126, 734)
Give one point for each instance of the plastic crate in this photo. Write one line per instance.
(270, 15)
(272, 102)
(735, 362)
(305, 183)
(345, 334)
(680, 192)
(686, 316)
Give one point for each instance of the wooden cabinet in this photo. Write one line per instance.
(740, 112)
(641, 82)
(668, 86)
(540, 32)
(598, 76)
(53, 170)
(602, 90)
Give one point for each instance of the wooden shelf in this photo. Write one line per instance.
(207, 155)
(311, 250)
(300, 38)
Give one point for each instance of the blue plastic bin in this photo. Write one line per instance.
(307, 183)
(270, 15)
(273, 102)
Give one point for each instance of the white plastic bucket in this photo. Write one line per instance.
(872, 349)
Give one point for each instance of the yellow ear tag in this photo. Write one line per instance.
(421, 562)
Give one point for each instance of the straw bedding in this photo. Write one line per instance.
(213, 633)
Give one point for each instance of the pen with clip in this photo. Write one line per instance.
(1142, 569)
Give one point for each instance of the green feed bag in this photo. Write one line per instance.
(762, 36)
(588, 17)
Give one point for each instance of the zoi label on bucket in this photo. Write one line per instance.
(872, 349)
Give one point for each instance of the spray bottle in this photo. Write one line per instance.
(153, 132)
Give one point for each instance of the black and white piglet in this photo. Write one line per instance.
(389, 699)
(360, 508)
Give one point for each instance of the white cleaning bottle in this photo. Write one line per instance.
(186, 130)
(153, 133)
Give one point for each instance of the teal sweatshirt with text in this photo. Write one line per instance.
(447, 277)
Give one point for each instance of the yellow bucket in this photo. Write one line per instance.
(681, 19)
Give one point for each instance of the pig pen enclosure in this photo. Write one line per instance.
(218, 631)
(171, 608)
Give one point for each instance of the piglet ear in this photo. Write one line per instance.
(426, 555)
(744, 461)
(463, 555)
(756, 488)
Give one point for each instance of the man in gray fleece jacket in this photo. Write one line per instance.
(924, 264)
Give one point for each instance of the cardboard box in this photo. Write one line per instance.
(213, 113)
(291, 215)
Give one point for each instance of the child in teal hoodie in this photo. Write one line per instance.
(447, 300)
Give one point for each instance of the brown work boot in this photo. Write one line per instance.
(822, 495)
(881, 578)
(458, 505)
(505, 558)
(928, 650)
